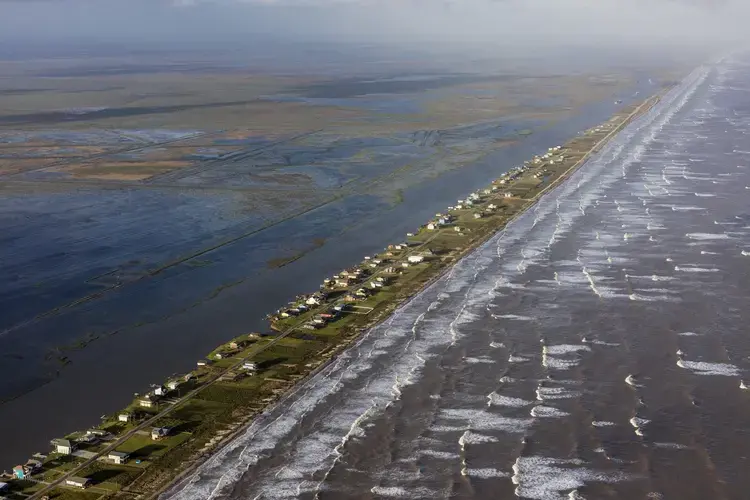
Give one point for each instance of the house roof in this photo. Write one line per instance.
(78, 480)
(61, 442)
(120, 454)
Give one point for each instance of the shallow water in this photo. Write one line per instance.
(593, 349)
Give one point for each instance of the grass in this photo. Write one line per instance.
(143, 447)
(116, 475)
(71, 494)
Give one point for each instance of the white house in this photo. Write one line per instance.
(415, 259)
(160, 390)
(173, 385)
(78, 482)
(123, 417)
(431, 226)
(118, 457)
(159, 432)
(477, 215)
(250, 366)
(507, 195)
(63, 446)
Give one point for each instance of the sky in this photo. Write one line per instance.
(631, 21)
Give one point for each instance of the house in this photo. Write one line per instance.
(503, 181)
(313, 301)
(63, 446)
(491, 206)
(507, 195)
(78, 482)
(147, 401)
(204, 362)
(344, 281)
(124, 417)
(4, 487)
(350, 298)
(19, 472)
(477, 215)
(415, 259)
(160, 390)
(404, 264)
(118, 457)
(159, 432)
(250, 366)
(431, 226)
(457, 229)
(173, 385)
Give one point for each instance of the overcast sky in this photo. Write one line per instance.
(633, 20)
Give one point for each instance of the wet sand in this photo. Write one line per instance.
(595, 348)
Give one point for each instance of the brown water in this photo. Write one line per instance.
(594, 349)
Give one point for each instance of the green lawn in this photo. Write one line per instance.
(144, 447)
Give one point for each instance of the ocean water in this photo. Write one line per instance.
(593, 349)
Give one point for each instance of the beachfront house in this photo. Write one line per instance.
(204, 362)
(160, 390)
(19, 472)
(124, 417)
(78, 482)
(63, 446)
(118, 457)
(415, 259)
(158, 433)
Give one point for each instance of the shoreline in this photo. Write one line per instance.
(644, 107)
(346, 335)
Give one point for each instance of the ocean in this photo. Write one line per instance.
(595, 348)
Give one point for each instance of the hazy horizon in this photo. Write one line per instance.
(635, 22)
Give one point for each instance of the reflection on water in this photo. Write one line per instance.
(594, 349)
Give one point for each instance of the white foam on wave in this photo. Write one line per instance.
(496, 345)
(696, 269)
(603, 423)
(484, 420)
(708, 236)
(545, 478)
(442, 455)
(495, 399)
(542, 411)
(705, 195)
(486, 473)
(676, 208)
(556, 393)
(671, 446)
(516, 317)
(517, 359)
(401, 492)
(706, 368)
(469, 438)
(482, 360)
